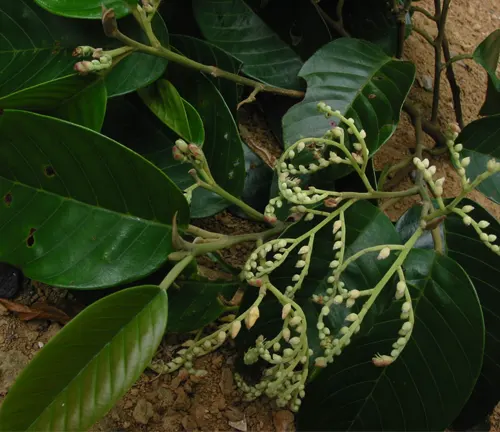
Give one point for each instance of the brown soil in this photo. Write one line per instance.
(177, 402)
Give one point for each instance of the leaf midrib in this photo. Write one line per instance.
(99, 208)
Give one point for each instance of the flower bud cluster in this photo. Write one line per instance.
(460, 163)
(287, 354)
(488, 239)
(428, 173)
(184, 152)
(269, 211)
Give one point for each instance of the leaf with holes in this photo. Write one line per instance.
(480, 140)
(163, 99)
(81, 210)
(198, 303)
(206, 53)
(422, 389)
(481, 264)
(86, 108)
(358, 79)
(234, 27)
(487, 54)
(85, 8)
(89, 365)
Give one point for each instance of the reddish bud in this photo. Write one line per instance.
(255, 282)
(270, 219)
(84, 67)
(331, 202)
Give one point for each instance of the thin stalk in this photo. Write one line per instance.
(334, 24)
(175, 272)
(438, 242)
(429, 128)
(214, 71)
(424, 12)
(424, 34)
(456, 58)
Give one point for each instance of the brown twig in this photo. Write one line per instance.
(455, 88)
(337, 25)
(429, 128)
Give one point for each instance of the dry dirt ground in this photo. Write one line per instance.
(177, 402)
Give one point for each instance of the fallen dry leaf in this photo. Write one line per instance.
(37, 311)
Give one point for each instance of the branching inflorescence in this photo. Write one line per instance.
(288, 356)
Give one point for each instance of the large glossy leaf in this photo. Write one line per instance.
(234, 27)
(138, 70)
(163, 99)
(463, 245)
(483, 267)
(209, 54)
(198, 303)
(481, 141)
(89, 364)
(487, 54)
(358, 79)
(423, 389)
(86, 107)
(80, 210)
(85, 8)
(36, 47)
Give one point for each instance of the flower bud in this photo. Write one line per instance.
(350, 302)
(296, 320)
(303, 250)
(294, 341)
(320, 362)
(286, 334)
(300, 264)
(465, 162)
(495, 248)
(286, 310)
(381, 361)
(221, 337)
(300, 146)
(459, 147)
(325, 310)
(351, 317)
(336, 226)
(291, 154)
(406, 307)
(492, 165)
(492, 238)
(483, 224)
(357, 146)
(467, 220)
(384, 253)
(440, 182)
(400, 290)
(467, 208)
(252, 317)
(337, 245)
(407, 326)
(334, 264)
(296, 278)
(84, 67)
(235, 328)
(338, 299)
(484, 237)
(182, 145)
(362, 133)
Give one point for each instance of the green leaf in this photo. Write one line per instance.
(197, 304)
(137, 70)
(84, 8)
(163, 99)
(80, 210)
(358, 79)
(234, 27)
(89, 365)
(423, 389)
(35, 46)
(86, 108)
(481, 140)
(206, 53)
(487, 54)
(482, 266)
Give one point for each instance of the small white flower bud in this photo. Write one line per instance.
(350, 302)
(459, 147)
(354, 294)
(357, 146)
(295, 277)
(483, 236)
(483, 224)
(336, 226)
(300, 264)
(394, 353)
(325, 310)
(286, 334)
(461, 171)
(362, 133)
(320, 362)
(309, 217)
(276, 346)
(465, 162)
(381, 361)
(467, 220)
(291, 154)
(495, 248)
(337, 245)
(300, 146)
(406, 307)
(426, 163)
(338, 299)
(492, 238)
(344, 330)
(440, 182)
(294, 341)
(400, 290)
(432, 170)
(384, 253)
(334, 264)
(401, 341)
(303, 250)
(467, 208)
(296, 320)
(439, 191)
(235, 328)
(286, 310)
(252, 317)
(492, 165)
(407, 326)
(277, 358)
(351, 317)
